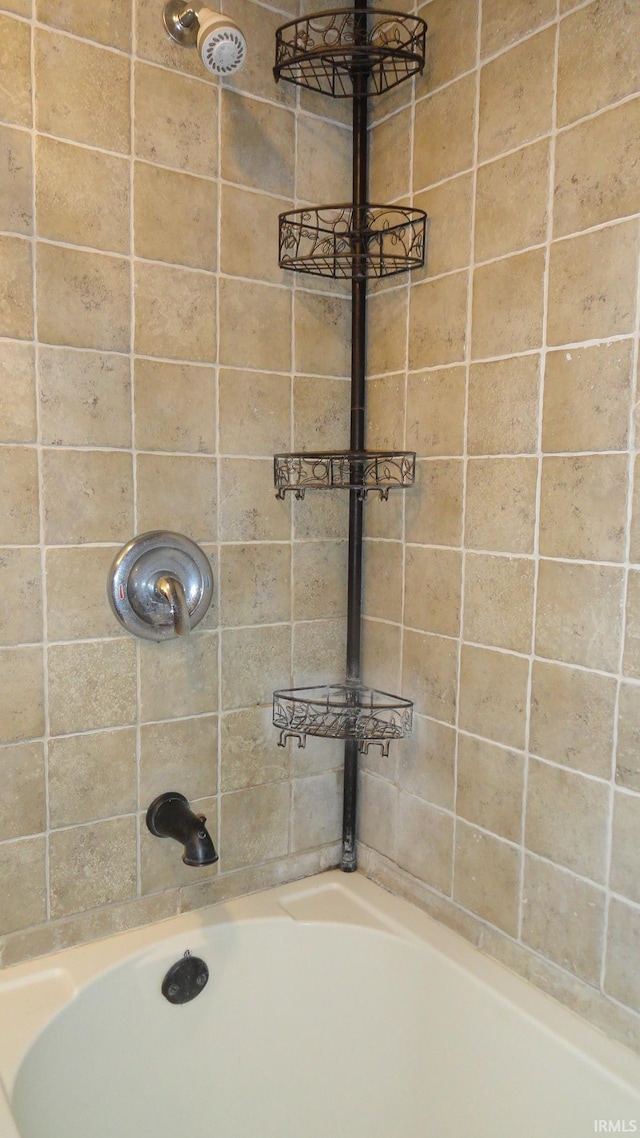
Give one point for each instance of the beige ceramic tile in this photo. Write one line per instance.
(320, 413)
(438, 321)
(487, 877)
(511, 202)
(610, 31)
(498, 601)
(451, 40)
(21, 671)
(383, 579)
(429, 678)
(516, 95)
(378, 808)
(501, 498)
(381, 653)
(572, 717)
(254, 412)
(323, 171)
(448, 208)
(16, 173)
(77, 605)
(85, 398)
(254, 825)
(316, 810)
(255, 661)
(435, 412)
(504, 24)
(587, 394)
(583, 507)
(622, 980)
(83, 299)
(563, 918)
(503, 406)
(175, 406)
(319, 648)
(249, 509)
(628, 750)
(179, 678)
(387, 336)
(20, 583)
(88, 496)
(634, 552)
(175, 313)
(157, 234)
(579, 614)
(592, 285)
(319, 580)
(107, 21)
(255, 584)
(259, 26)
(16, 289)
(92, 776)
(424, 839)
(323, 334)
(596, 165)
(82, 196)
(434, 505)
(82, 92)
(427, 763)
(493, 695)
(250, 753)
(384, 412)
(631, 661)
(15, 69)
(92, 685)
(20, 7)
(23, 805)
(177, 492)
(385, 519)
(389, 180)
(92, 865)
(25, 901)
(567, 819)
(490, 787)
(19, 520)
(175, 120)
(508, 305)
(624, 852)
(182, 753)
(17, 380)
(443, 135)
(248, 235)
(257, 143)
(433, 590)
(255, 325)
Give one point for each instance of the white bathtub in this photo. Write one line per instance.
(333, 1010)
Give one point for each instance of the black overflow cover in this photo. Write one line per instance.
(185, 980)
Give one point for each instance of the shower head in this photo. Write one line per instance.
(221, 44)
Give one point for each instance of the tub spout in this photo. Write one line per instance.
(170, 816)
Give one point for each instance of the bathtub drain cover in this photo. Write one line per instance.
(185, 980)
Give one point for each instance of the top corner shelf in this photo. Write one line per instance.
(325, 52)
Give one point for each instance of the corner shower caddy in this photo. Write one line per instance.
(350, 53)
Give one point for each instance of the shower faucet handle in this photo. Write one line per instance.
(160, 585)
(171, 589)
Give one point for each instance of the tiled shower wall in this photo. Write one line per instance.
(503, 594)
(153, 358)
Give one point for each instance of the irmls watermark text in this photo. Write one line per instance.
(615, 1126)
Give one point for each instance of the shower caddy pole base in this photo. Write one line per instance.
(350, 53)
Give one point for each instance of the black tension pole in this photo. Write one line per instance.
(360, 79)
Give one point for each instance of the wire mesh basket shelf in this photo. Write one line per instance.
(364, 471)
(327, 50)
(342, 711)
(344, 242)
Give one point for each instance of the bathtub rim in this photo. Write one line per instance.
(332, 898)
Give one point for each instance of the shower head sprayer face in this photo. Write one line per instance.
(221, 44)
